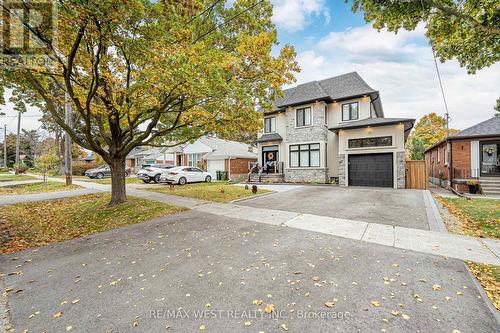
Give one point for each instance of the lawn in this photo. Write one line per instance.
(45, 222)
(489, 277)
(36, 188)
(15, 178)
(479, 217)
(215, 191)
(128, 180)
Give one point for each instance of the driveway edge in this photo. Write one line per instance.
(434, 218)
(4, 309)
(254, 197)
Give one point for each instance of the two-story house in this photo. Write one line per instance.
(334, 130)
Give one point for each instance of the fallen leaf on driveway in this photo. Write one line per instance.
(202, 327)
(284, 327)
(375, 303)
(436, 287)
(57, 315)
(405, 316)
(269, 308)
(248, 323)
(257, 302)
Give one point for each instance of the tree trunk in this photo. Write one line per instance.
(118, 190)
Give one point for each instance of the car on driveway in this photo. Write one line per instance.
(152, 172)
(183, 175)
(103, 171)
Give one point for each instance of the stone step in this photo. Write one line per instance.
(489, 182)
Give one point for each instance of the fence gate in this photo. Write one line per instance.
(416, 175)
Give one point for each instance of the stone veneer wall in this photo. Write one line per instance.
(318, 175)
(401, 169)
(317, 132)
(342, 170)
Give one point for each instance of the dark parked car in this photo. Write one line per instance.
(103, 171)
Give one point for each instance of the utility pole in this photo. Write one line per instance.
(68, 119)
(5, 145)
(18, 141)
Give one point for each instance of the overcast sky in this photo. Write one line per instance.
(331, 40)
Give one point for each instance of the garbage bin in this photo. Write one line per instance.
(217, 174)
(223, 175)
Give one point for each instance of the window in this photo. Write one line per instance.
(304, 155)
(350, 111)
(439, 155)
(193, 159)
(381, 141)
(447, 154)
(269, 124)
(303, 117)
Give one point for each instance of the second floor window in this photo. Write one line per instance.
(303, 117)
(269, 124)
(350, 111)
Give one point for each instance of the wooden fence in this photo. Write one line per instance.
(416, 175)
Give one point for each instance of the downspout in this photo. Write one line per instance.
(229, 168)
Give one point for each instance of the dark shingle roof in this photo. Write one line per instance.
(335, 88)
(487, 127)
(270, 137)
(373, 122)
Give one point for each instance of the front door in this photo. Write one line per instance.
(269, 158)
(490, 158)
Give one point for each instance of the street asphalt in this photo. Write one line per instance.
(195, 270)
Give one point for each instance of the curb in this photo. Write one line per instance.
(4, 310)
(434, 218)
(495, 313)
(253, 197)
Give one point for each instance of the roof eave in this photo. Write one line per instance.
(395, 122)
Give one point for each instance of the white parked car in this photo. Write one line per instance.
(183, 174)
(152, 172)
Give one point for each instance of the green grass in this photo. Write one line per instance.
(480, 217)
(208, 191)
(39, 223)
(36, 188)
(15, 178)
(128, 180)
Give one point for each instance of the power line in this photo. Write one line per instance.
(447, 115)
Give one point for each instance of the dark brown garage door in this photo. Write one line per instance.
(371, 170)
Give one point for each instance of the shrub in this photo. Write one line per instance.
(79, 167)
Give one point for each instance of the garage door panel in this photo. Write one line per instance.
(371, 170)
(213, 166)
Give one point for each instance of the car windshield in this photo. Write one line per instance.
(104, 166)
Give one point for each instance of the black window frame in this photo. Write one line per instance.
(270, 124)
(299, 150)
(350, 111)
(378, 141)
(302, 110)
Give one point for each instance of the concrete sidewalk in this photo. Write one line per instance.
(19, 182)
(424, 241)
(24, 198)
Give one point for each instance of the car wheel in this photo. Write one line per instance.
(157, 178)
(208, 179)
(147, 181)
(182, 181)
(126, 174)
(99, 175)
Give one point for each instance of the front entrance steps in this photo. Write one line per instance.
(490, 185)
(268, 178)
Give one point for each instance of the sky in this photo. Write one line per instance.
(330, 40)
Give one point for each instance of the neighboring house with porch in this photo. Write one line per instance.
(334, 130)
(210, 153)
(473, 153)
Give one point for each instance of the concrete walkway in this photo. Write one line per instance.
(19, 182)
(424, 241)
(23, 198)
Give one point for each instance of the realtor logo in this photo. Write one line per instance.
(27, 27)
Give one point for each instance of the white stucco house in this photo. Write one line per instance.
(334, 130)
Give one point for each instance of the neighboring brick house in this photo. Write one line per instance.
(210, 153)
(473, 153)
(334, 130)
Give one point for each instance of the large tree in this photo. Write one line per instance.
(429, 130)
(468, 30)
(143, 72)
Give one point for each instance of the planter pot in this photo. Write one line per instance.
(473, 189)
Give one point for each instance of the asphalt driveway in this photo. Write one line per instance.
(404, 208)
(165, 273)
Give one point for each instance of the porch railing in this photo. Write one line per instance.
(269, 168)
(461, 173)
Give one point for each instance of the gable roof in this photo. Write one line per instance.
(340, 87)
(488, 127)
(222, 149)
